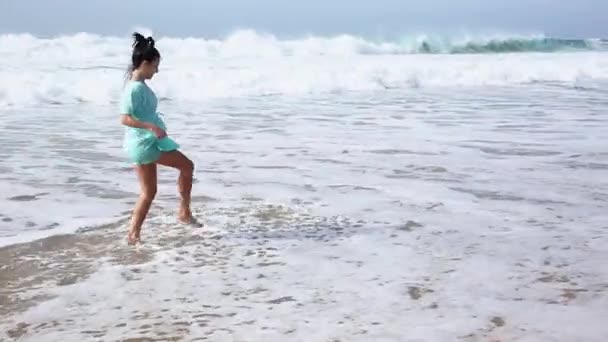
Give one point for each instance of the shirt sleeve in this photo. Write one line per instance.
(131, 101)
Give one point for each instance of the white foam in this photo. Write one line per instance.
(431, 284)
(50, 213)
(90, 68)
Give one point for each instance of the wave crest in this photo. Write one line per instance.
(90, 68)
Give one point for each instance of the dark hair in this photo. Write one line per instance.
(143, 50)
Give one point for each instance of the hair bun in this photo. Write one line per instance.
(141, 42)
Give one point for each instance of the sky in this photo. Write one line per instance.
(206, 18)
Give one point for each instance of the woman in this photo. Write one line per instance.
(146, 141)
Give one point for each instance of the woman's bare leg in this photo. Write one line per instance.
(178, 160)
(147, 182)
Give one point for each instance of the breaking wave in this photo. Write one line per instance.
(87, 68)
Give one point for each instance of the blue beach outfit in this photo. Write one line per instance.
(142, 145)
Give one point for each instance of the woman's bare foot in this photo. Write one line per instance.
(133, 238)
(185, 217)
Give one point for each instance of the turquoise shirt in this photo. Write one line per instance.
(142, 145)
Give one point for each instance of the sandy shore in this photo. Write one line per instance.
(272, 273)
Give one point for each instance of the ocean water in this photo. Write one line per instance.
(428, 189)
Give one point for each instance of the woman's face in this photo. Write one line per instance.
(148, 69)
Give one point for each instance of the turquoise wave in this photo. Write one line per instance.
(511, 46)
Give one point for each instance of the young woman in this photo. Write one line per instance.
(146, 141)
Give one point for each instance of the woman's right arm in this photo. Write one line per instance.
(130, 121)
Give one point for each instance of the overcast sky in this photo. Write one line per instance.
(563, 18)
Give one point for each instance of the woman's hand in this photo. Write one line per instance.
(159, 132)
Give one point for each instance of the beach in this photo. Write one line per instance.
(350, 191)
